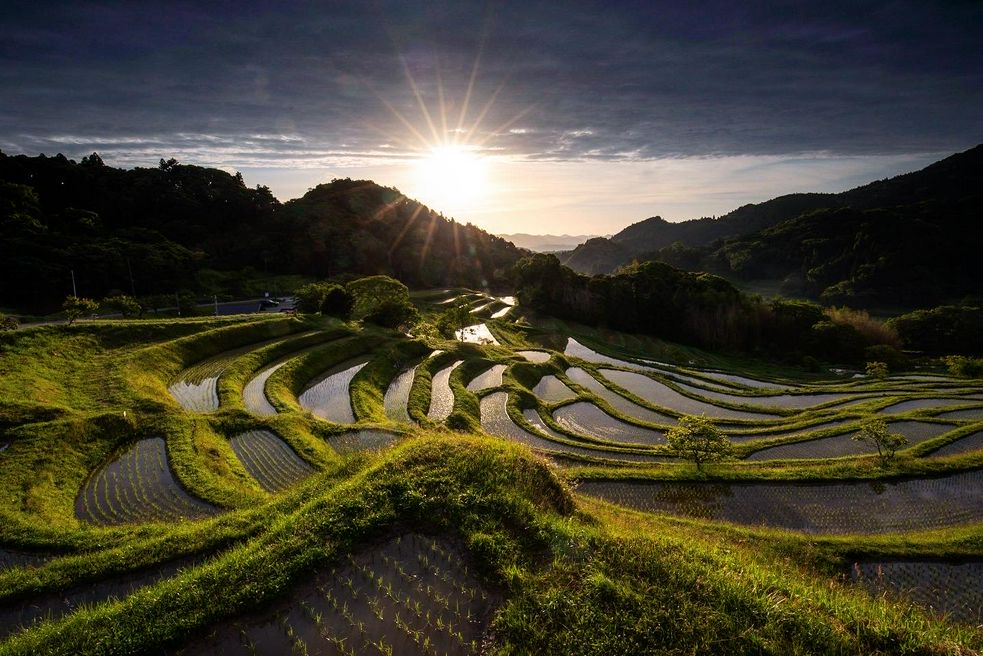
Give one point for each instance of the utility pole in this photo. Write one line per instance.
(215, 300)
(74, 291)
(133, 287)
(177, 304)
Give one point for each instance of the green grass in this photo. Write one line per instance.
(574, 574)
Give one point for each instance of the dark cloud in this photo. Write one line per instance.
(309, 82)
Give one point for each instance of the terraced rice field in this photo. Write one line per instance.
(951, 589)
(327, 396)
(962, 445)
(410, 595)
(587, 420)
(551, 390)
(441, 395)
(362, 440)
(534, 356)
(270, 460)
(616, 401)
(577, 350)
(196, 388)
(477, 334)
(254, 393)
(845, 445)
(418, 594)
(660, 394)
(921, 404)
(829, 508)
(18, 616)
(969, 413)
(495, 420)
(488, 379)
(397, 397)
(138, 486)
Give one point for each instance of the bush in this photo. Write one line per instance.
(892, 357)
(835, 342)
(877, 369)
(8, 322)
(326, 298)
(76, 307)
(873, 330)
(392, 314)
(963, 367)
(945, 329)
(338, 302)
(125, 305)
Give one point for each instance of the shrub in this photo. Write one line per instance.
(892, 357)
(392, 314)
(873, 330)
(945, 329)
(76, 307)
(125, 305)
(964, 367)
(338, 302)
(8, 322)
(877, 369)
(836, 342)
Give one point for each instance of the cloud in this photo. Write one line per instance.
(597, 81)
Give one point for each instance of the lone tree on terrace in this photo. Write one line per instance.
(875, 431)
(76, 307)
(697, 439)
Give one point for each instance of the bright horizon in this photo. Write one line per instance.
(512, 117)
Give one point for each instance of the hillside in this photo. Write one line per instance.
(907, 240)
(304, 485)
(546, 243)
(158, 230)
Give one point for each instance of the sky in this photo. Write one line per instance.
(537, 117)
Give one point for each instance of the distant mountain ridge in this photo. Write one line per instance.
(546, 243)
(149, 231)
(905, 239)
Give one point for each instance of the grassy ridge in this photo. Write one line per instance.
(577, 575)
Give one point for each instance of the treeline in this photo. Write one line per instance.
(705, 310)
(149, 231)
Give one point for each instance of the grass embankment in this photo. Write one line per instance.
(593, 581)
(576, 575)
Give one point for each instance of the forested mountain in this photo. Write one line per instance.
(156, 230)
(913, 239)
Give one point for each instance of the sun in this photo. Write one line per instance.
(452, 178)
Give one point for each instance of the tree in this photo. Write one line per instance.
(697, 439)
(453, 321)
(125, 305)
(76, 307)
(310, 297)
(875, 431)
(338, 302)
(8, 323)
(393, 314)
(372, 292)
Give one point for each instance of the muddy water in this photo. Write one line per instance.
(950, 589)
(551, 389)
(362, 440)
(618, 402)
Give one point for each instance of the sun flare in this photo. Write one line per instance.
(452, 177)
